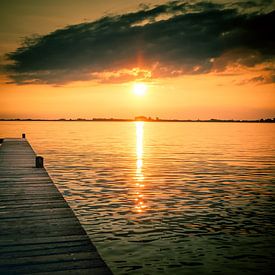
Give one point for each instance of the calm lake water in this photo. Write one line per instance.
(166, 198)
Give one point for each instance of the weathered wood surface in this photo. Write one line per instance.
(39, 232)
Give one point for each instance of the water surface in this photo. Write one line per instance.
(166, 198)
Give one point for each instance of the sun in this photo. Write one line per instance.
(140, 89)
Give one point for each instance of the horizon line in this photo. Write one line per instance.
(140, 118)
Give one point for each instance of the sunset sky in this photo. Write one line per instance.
(194, 59)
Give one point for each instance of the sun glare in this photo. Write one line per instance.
(140, 89)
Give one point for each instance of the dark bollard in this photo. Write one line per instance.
(23, 135)
(39, 162)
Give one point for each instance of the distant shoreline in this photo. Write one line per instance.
(144, 119)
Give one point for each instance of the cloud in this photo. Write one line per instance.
(260, 79)
(173, 39)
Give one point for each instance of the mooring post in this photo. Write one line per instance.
(39, 162)
(23, 135)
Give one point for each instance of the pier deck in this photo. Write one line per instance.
(39, 232)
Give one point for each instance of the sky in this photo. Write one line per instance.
(83, 59)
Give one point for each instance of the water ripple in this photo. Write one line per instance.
(167, 198)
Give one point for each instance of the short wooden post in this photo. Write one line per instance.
(39, 162)
(23, 135)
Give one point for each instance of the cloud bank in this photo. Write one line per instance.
(168, 40)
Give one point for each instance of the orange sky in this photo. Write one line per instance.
(227, 95)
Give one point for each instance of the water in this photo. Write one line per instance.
(166, 198)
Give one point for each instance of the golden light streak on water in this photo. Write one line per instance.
(139, 203)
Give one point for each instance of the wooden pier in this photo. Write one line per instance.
(39, 232)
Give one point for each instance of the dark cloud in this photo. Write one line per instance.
(261, 79)
(177, 38)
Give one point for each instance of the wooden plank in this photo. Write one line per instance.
(38, 230)
(42, 246)
(92, 267)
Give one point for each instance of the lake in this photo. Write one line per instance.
(166, 198)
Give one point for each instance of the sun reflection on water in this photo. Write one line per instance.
(139, 178)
